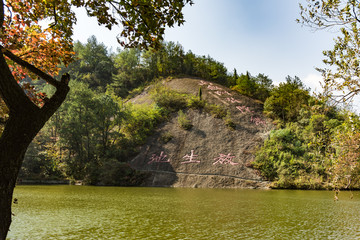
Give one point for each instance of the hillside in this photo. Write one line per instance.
(96, 133)
(210, 154)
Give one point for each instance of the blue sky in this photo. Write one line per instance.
(259, 36)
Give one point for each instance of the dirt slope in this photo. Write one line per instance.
(210, 154)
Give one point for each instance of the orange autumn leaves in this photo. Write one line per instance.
(39, 36)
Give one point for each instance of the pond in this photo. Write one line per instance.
(84, 212)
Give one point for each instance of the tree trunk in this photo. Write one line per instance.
(13, 144)
(25, 121)
(18, 134)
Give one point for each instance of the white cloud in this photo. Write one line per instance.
(313, 81)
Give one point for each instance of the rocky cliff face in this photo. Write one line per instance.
(210, 154)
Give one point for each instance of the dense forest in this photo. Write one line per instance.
(314, 144)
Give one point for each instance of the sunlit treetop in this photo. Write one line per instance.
(143, 22)
(25, 36)
(329, 13)
(40, 31)
(342, 78)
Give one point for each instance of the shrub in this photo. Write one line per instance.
(216, 110)
(229, 122)
(166, 137)
(183, 121)
(286, 100)
(135, 92)
(168, 99)
(141, 121)
(195, 102)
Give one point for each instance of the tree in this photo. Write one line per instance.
(286, 100)
(168, 60)
(245, 84)
(129, 72)
(232, 79)
(208, 68)
(93, 64)
(264, 86)
(343, 74)
(87, 131)
(342, 78)
(345, 170)
(33, 50)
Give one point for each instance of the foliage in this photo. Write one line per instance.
(209, 69)
(263, 87)
(183, 121)
(89, 132)
(318, 150)
(342, 76)
(245, 85)
(216, 110)
(345, 169)
(93, 64)
(45, 48)
(172, 60)
(168, 99)
(143, 22)
(40, 163)
(258, 87)
(166, 137)
(195, 102)
(286, 100)
(141, 121)
(129, 72)
(84, 126)
(229, 122)
(4, 114)
(287, 159)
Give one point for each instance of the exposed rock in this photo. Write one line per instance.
(210, 154)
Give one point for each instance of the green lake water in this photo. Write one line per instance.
(82, 212)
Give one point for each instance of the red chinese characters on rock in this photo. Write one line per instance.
(233, 100)
(244, 109)
(191, 158)
(225, 159)
(159, 159)
(202, 83)
(258, 121)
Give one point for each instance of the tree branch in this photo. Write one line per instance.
(355, 15)
(12, 94)
(58, 98)
(30, 67)
(55, 18)
(2, 14)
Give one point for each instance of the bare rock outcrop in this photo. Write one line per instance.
(210, 154)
